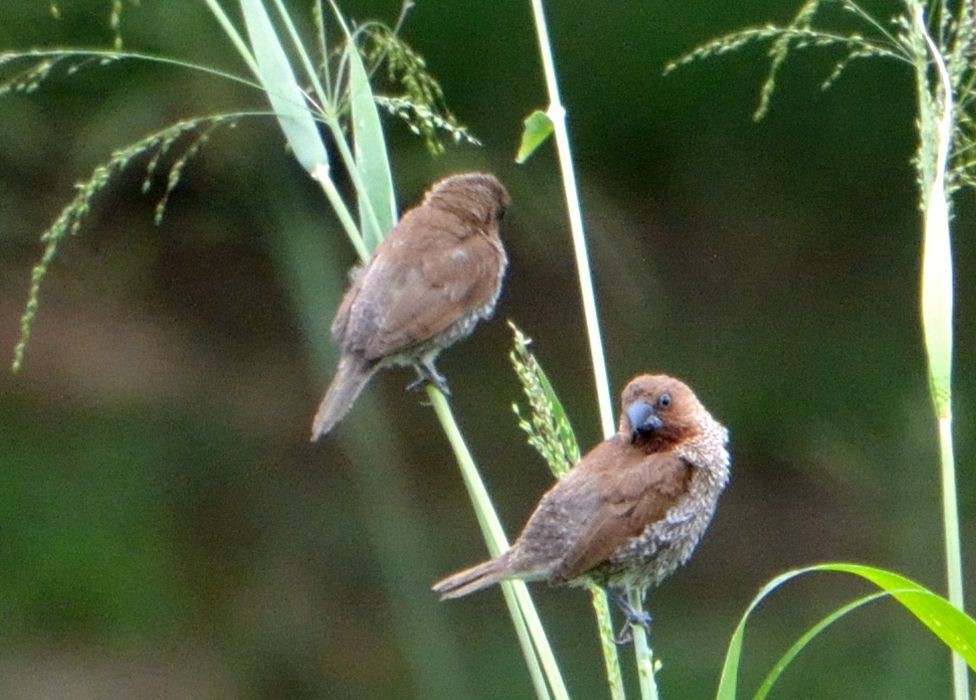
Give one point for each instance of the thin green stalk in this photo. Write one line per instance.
(231, 31)
(339, 137)
(321, 175)
(306, 60)
(950, 515)
(937, 303)
(557, 115)
(642, 650)
(528, 626)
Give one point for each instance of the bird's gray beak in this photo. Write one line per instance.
(643, 418)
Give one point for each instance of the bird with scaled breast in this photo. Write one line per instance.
(631, 511)
(428, 283)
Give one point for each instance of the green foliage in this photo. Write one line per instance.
(536, 128)
(813, 28)
(372, 159)
(939, 48)
(279, 84)
(548, 427)
(24, 72)
(956, 629)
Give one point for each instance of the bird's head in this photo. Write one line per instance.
(658, 410)
(477, 195)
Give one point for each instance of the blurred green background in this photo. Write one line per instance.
(166, 529)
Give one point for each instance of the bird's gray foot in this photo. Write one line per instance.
(633, 617)
(428, 374)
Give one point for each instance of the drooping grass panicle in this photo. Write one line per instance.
(28, 69)
(422, 105)
(115, 21)
(25, 71)
(414, 94)
(873, 41)
(70, 219)
(176, 169)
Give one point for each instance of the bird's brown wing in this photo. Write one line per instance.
(341, 320)
(415, 289)
(632, 496)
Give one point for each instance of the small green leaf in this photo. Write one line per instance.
(538, 127)
(955, 628)
(278, 81)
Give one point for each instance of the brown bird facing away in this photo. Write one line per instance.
(437, 273)
(631, 511)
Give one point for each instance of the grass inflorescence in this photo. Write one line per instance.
(69, 221)
(547, 425)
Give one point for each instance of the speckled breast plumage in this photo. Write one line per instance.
(646, 560)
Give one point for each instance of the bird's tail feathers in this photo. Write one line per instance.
(474, 579)
(350, 378)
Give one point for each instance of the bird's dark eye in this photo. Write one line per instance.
(664, 400)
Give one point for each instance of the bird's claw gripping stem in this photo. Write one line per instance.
(633, 617)
(428, 374)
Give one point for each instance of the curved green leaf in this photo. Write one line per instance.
(278, 81)
(377, 204)
(807, 637)
(955, 628)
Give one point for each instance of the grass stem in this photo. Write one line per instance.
(528, 626)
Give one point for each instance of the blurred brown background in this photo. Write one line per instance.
(166, 530)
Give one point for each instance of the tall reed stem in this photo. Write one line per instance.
(528, 626)
(557, 115)
(935, 132)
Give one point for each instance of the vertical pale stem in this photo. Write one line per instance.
(950, 514)
(557, 115)
(528, 626)
(322, 176)
(937, 303)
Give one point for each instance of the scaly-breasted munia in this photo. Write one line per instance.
(437, 273)
(631, 511)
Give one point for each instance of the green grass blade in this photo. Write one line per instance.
(532, 636)
(303, 56)
(807, 637)
(377, 203)
(953, 627)
(278, 81)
